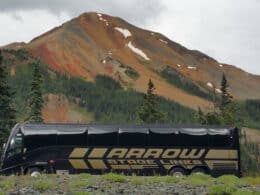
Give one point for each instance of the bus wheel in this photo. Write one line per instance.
(198, 171)
(35, 171)
(177, 172)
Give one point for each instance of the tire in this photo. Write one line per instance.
(177, 172)
(35, 171)
(198, 171)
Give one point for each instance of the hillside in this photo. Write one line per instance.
(98, 44)
(71, 99)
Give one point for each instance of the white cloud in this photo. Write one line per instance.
(30, 24)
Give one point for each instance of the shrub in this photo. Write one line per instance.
(245, 192)
(81, 193)
(85, 176)
(7, 184)
(137, 180)
(251, 180)
(229, 179)
(199, 179)
(78, 184)
(131, 73)
(42, 185)
(112, 177)
(222, 190)
(164, 179)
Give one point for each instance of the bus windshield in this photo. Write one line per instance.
(15, 145)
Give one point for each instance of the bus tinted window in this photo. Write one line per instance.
(72, 139)
(162, 139)
(132, 139)
(194, 140)
(220, 141)
(106, 139)
(36, 141)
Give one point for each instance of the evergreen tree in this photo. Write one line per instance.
(228, 108)
(36, 99)
(7, 110)
(200, 117)
(224, 110)
(226, 98)
(149, 113)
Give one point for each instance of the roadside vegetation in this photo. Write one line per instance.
(112, 183)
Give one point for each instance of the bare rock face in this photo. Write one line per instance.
(58, 108)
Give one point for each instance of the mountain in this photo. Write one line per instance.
(98, 44)
(94, 44)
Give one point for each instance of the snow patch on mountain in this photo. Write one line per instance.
(210, 85)
(179, 65)
(166, 42)
(137, 51)
(218, 90)
(125, 32)
(221, 65)
(102, 19)
(192, 67)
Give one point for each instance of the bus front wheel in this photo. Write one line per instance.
(177, 172)
(34, 171)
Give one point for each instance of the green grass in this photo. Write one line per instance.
(112, 177)
(138, 180)
(42, 185)
(81, 193)
(222, 190)
(78, 184)
(85, 176)
(251, 180)
(164, 179)
(7, 184)
(245, 192)
(199, 180)
(229, 179)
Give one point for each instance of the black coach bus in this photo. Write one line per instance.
(131, 149)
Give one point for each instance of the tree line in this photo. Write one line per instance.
(7, 106)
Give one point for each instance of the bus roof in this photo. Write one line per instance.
(63, 129)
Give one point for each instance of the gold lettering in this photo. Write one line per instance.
(117, 153)
(131, 161)
(192, 154)
(171, 153)
(135, 153)
(150, 162)
(153, 153)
